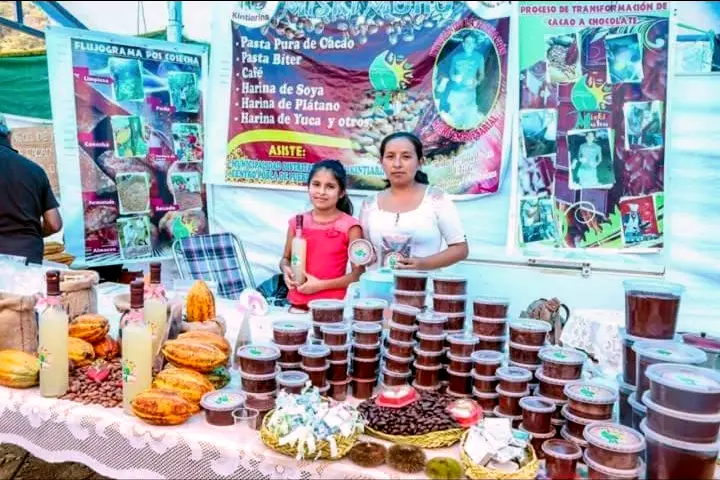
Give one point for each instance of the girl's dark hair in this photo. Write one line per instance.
(420, 176)
(344, 204)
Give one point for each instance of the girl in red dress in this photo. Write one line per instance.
(328, 229)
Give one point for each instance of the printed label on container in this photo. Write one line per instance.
(129, 371)
(44, 358)
(690, 379)
(614, 436)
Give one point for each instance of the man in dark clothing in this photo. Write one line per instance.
(28, 208)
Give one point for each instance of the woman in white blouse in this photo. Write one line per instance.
(409, 205)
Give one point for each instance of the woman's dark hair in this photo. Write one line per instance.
(344, 204)
(420, 176)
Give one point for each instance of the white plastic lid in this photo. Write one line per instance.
(315, 369)
(670, 352)
(645, 287)
(409, 293)
(405, 309)
(289, 366)
(222, 401)
(425, 389)
(653, 436)
(504, 393)
(531, 368)
(513, 374)
(401, 327)
(562, 355)
(450, 298)
(326, 305)
(336, 362)
(462, 339)
(432, 317)
(339, 348)
(531, 405)
(259, 378)
(489, 320)
(399, 343)
(691, 417)
(290, 326)
(498, 413)
(494, 378)
(388, 373)
(367, 327)
(370, 304)
(547, 447)
(485, 395)
(288, 348)
(423, 353)
(492, 300)
(527, 348)
(425, 336)
(422, 367)
(591, 393)
(335, 328)
(570, 438)
(360, 346)
(624, 335)
(637, 406)
(455, 315)
(539, 436)
(340, 382)
(449, 278)
(390, 356)
(366, 360)
(455, 358)
(568, 415)
(626, 388)
(410, 274)
(614, 472)
(458, 374)
(292, 378)
(262, 353)
(552, 381)
(528, 325)
(685, 377)
(361, 251)
(486, 338)
(314, 351)
(363, 380)
(487, 357)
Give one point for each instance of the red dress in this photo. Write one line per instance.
(327, 254)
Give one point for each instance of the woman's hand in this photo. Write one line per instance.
(312, 285)
(412, 263)
(289, 277)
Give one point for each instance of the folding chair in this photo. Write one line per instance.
(219, 257)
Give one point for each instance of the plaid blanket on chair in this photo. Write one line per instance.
(215, 257)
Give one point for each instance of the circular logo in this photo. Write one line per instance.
(691, 379)
(253, 14)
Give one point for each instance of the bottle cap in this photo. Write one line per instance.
(137, 294)
(155, 269)
(298, 221)
(52, 279)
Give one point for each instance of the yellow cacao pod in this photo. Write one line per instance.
(200, 305)
(107, 349)
(209, 338)
(187, 383)
(91, 327)
(18, 369)
(80, 352)
(200, 357)
(162, 407)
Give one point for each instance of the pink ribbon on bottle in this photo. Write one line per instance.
(155, 291)
(131, 316)
(44, 303)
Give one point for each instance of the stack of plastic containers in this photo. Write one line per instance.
(288, 336)
(460, 367)
(588, 403)
(292, 381)
(366, 348)
(527, 338)
(537, 421)
(429, 351)
(485, 380)
(324, 312)
(410, 288)
(490, 322)
(315, 363)
(513, 386)
(683, 421)
(615, 451)
(258, 373)
(337, 335)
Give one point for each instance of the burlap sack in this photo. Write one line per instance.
(79, 295)
(18, 325)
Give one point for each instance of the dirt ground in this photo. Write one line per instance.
(18, 464)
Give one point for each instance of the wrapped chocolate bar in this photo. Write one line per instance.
(493, 448)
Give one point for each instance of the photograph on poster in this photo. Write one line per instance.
(643, 125)
(127, 79)
(591, 159)
(639, 220)
(536, 175)
(188, 142)
(133, 192)
(135, 237)
(539, 132)
(128, 136)
(624, 57)
(184, 92)
(464, 94)
(562, 57)
(537, 220)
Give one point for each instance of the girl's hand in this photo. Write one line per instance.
(289, 277)
(412, 263)
(312, 285)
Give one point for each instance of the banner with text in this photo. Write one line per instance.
(129, 128)
(317, 80)
(592, 124)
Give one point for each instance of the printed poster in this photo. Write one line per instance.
(37, 144)
(592, 124)
(137, 125)
(319, 80)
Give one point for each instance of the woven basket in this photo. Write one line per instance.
(476, 472)
(442, 439)
(322, 448)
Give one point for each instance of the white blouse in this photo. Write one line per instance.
(434, 224)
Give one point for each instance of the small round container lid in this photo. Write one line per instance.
(432, 317)
(685, 377)
(409, 293)
(653, 436)
(292, 378)
(390, 356)
(340, 348)
(562, 355)
(455, 358)
(487, 357)
(485, 395)
(614, 472)
(528, 325)
(614, 437)
(405, 309)
(314, 351)
(552, 381)
(489, 320)
(591, 393)
(570, 438)
(450, 298)
(504, 301)
(486, 338)
(462, 339)
(370, 304)
(493, 378)
(504, 393)
(222, 401)
(367, 327)
(449, 278)
(420, 388)
(290, 326)
(458, 374)
(555, 401)
(363, 380)
(513, 374)
(336, 362)
(335, 328)
(645, 287)
(692, 417)
(498, 413)
(289, 366)
(389, 373)
(399, 343)
(532, 368)
(539, 436)
(670, 352)
(259, 378)
(636, 405)
(624, 335)
(537, 405)
(326, 305)
(562, 449)
(706, 344)
(568, 415)
(288, 348)
(339, 383)
(366, 360)
(423, 353)
(360, 251)
(527, 348)
(360, 346)
(262, 353)
(422, 367)
(625, 388)
(455, 315)
(435, 338)
(315, 369)
(410, 274)
(401, 327)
